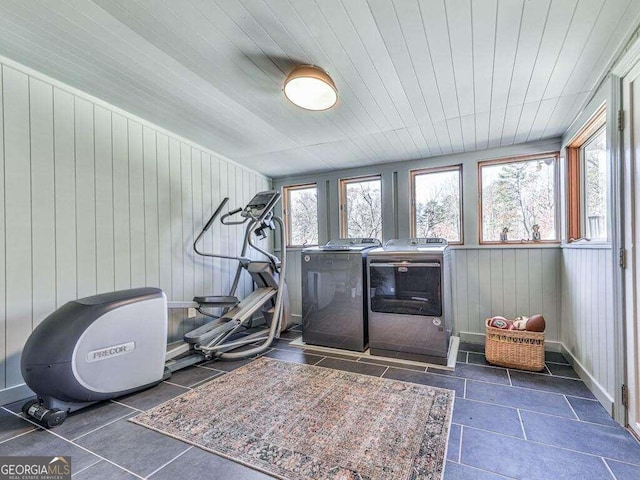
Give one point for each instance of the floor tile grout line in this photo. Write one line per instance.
(169, 462)
(175, 385)
(460, 444)
(524, 433)
(616, 427)
(525, 388)
(18, 435)
(466, 360)
(371, 363)
(360, 363)
(202, 382)
(547, 369)
(484, 402)
(211, 368)
(535, 442)
(125, 405)
(85, 468)
(621, 461)
(365, 362)
(572, 409)
(551, 375)
(613, 475)
(464, 390)
(102, 426)
(509, 377)
(499, 475)
(361, 359)
(78, 446)
(528, 410)
(469, 378)
(495, 367)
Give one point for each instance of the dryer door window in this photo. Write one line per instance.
(406, 288)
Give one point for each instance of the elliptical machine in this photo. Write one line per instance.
(113, 344)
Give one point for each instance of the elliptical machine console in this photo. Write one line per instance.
(113, 344)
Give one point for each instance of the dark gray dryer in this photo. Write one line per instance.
(334, 300)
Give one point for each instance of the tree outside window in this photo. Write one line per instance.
(594, 162)
(361, 207)
(437, 203)
(519, 200)
(301, 215)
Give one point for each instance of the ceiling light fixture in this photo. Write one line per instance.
(311, 88)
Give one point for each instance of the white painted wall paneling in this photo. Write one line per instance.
(93, 200)
(587, 311)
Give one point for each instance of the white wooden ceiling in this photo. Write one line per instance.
(416, 78)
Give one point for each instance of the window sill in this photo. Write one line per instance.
(582, 245)
(498, 246)
(503, 246)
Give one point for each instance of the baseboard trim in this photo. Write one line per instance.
(600, 393)
(13, 394)
(478, 338)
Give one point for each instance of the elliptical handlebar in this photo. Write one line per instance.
(258, 214)
(207, 227)
(224, 220)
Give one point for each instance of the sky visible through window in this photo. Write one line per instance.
(519, 198)
(303, 216)
(437, 205)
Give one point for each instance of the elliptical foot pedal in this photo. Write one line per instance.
(217, 301)
(48, 418)
(207, 331)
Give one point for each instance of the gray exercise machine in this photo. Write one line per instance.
(113, 344)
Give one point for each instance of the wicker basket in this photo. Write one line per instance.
(514, 348)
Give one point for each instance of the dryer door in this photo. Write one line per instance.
(406, 288)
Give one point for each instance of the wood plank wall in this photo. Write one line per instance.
(587, 311)
(508, 282)
(93, 200)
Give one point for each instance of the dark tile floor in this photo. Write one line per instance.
(506, 424)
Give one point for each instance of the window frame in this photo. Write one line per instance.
(412, 182)
(556, 181)
(342, 200)
(575, 178)
(286, 207)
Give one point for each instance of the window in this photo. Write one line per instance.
(518, 199)
(361, 207)
(436, 203)
(594, 163)
(301, 214)
(587, 181)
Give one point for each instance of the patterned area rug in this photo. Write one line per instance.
(297, 421)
